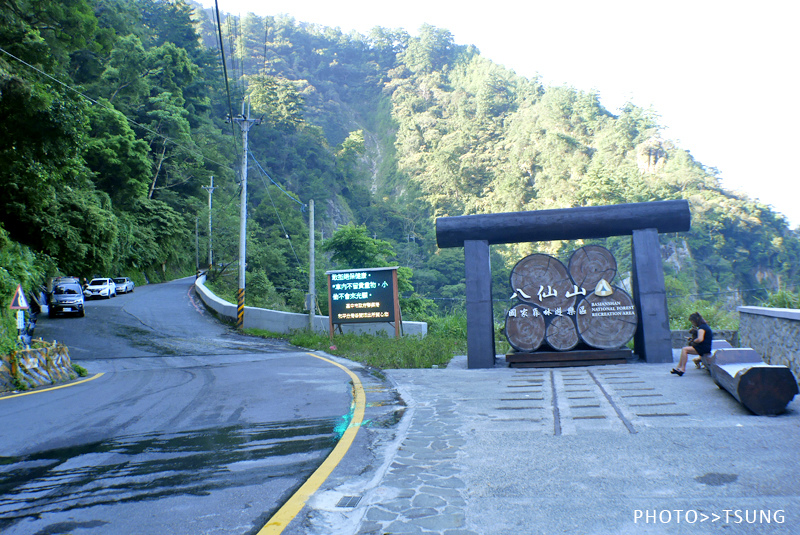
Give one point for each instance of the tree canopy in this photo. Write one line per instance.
(113, 118)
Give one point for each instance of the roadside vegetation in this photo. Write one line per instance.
(447, 337)
(80, 370)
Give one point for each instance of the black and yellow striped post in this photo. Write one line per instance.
(240, 308)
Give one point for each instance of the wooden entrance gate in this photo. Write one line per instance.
(642, 221)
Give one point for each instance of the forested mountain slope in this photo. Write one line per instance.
(113, 118)
(447, 132)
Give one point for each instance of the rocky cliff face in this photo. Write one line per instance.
(676, 254)
(651, 156)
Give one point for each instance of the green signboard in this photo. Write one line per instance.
(362, 295)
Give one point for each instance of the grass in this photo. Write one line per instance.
(447, 337)
(379, 351)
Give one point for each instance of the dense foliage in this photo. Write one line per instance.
(113, 118)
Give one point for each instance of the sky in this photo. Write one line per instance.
(722, 76)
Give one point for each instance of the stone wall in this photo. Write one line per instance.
(36, 367)
(774, 333)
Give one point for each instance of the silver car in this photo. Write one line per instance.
(100, 288)
(66, 297)
(123, 285)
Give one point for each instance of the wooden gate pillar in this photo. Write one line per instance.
(652, 341)
(480, 316)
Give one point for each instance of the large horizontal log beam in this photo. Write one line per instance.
(564, 224)
(763, 388)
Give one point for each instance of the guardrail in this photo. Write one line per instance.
(286, 322)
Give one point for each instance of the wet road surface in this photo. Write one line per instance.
(192, 428)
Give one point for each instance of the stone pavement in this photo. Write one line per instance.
(624, 449)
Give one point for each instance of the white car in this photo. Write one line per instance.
(123, 284)
(100, 288)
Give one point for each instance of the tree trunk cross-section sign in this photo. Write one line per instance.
(591, 264)
(609, 322)
(562, 334)
(564, 307)
(542, 280)
(524, 330)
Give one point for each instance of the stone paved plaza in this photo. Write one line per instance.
(592, 450)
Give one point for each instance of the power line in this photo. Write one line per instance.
(276, 184)
(225, 74)
(266, 187)
(729, 292)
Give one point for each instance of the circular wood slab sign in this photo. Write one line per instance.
(562, 334)
(591, 264)
(524, 331)
(543, 280)
(607, 322)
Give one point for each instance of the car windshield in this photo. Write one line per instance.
(98, 282)
(67, 290)
(119, 281)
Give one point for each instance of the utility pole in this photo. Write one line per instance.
(244, 122)
(196, 246)
(312, 297)
(210, 189)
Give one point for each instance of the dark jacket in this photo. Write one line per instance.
(704, 347)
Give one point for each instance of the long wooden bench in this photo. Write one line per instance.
(704, 359)
(764, 389)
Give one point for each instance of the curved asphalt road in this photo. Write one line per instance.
(192, 428)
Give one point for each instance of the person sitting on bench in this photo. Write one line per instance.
(698, 361)
(699, 346)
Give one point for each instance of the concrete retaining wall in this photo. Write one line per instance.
(774, 333)
(286, 322)
(36, 367)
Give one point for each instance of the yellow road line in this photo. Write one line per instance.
(295, 504)
(53, 388)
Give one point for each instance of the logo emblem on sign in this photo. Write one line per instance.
(603, 289)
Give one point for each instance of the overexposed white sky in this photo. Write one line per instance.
(721, 74)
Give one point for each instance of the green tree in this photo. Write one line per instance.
(352, 248)
(117, 158)
(277, 100)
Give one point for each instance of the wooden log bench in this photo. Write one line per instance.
(731, 354)
(702, 361)
(720, 344)
(764, 389)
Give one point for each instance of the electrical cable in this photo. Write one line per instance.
(276, 184)
(224, 65)
(266, 187)
(227, 85)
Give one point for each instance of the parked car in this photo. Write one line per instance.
(65, 297)
(100, 288)
(59, 280)
(123, 284)
(56, 280)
